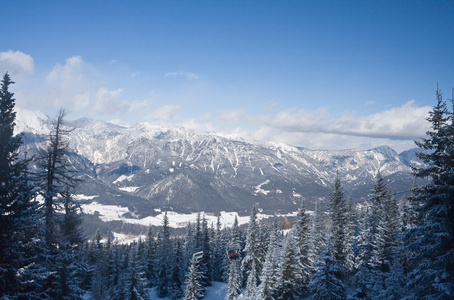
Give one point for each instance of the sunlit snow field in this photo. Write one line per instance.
(218, 291)
(176, 220)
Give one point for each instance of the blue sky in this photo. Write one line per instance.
(317, 74)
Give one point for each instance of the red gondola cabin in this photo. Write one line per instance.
(233, 255)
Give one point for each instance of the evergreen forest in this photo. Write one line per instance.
(386, 248)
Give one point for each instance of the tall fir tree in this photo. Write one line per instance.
(325, 283)
(267, 288)
(219, 249)
(176, 292)
(339, 217)
(317, 234)
(253, 259)
(150, 269)
(114, 269)
(234, 289)
(58, 179)
(290, 273)
(70, 243)
(194, 289)
(206, 248)
(301, 232)
(163, 262)
(350, 235)
(134, 276)
(431, 242)
(19, 220)
(378, 240)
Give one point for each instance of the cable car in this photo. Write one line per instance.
(233, 255)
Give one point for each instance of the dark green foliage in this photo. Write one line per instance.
(326, 284)
(430, 244)
(19, 221)
(339, 221)
(253, 260)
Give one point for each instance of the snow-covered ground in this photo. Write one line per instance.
(176, 220)
(218, 291)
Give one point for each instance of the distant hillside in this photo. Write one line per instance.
(150, 166)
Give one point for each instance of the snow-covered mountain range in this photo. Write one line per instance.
(148, 166)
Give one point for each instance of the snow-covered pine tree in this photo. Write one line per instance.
(163, 262)
(234, 281)
(121, 290)
(150, 271)
(409, 216)
(265, 290)
(175, 290)
(219, 249)
(364, 276)
(325, 283)
(317, 234)
(194, 289)
(135, 281)
(99, 271)
(379, 197)
(431, 243)
(198, 236)
(189, 247)
(235, 236)
(269, 275)
(205, 263)
(331, 271)
(349, 242)
(70, 268)
(289, 277)
(363, 247)
(114, 270)
(234, 243)
(19, 220)
(301, 232)
(339, 217)
(252, 261)
(379, 227)
(57, 177)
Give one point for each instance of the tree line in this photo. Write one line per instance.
(386, 248)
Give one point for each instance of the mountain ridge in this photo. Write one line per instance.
(148, 166)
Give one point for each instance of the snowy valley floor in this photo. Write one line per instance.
(218, 291)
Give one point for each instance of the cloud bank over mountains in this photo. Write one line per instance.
(87, 90)
(16, 63)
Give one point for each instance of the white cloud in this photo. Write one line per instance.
(106, 102)
(397, 127)
(74, 71)
(16, 63)
(186, 75)
(81, 101)
(78, 86)
(72, 83)
(240, 116)
(300, 120)
(164, 113)
(405, 122)
(135, 106)
(198, 125)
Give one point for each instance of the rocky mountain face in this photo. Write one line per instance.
(149, 166)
